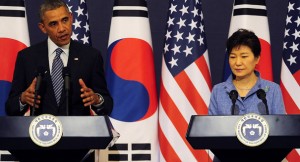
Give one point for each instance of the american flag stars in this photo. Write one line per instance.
(292, 37)
(81, 28)
(184, 36)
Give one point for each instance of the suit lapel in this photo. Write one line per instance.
(74, 59)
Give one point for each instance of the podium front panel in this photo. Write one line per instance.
(79, 132)
(218, 132)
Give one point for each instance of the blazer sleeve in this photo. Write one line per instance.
(12, 106)
(99, 85)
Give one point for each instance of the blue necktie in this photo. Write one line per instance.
(56, 75)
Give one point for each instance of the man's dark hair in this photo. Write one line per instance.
(246, 38)
(48, 5)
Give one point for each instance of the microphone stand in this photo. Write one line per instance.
(267, 109)
(67, 102)
(233, 95)
(32, 108)
(39, 77)
(232, 107)
(66, 76)
(36, 91)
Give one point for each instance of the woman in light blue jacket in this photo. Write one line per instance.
(245, 91)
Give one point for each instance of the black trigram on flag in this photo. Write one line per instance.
(126, 152)
(6, 8)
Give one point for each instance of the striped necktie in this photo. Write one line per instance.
(56, 75)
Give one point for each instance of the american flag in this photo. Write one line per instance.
(81, 28)
(290, 73)
(186, 84)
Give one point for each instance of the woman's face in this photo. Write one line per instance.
(242, 61)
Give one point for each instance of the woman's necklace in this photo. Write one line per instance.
(246, 88)
(243, 89)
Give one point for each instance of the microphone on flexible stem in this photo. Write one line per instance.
(66, 76)
(261, 94)
(39, 77)
(233, 95)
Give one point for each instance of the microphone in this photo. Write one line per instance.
(233, 95)
(261, 94)
(66, 75)
(39, 77)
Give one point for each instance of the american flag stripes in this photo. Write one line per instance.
(186, 84)
(81, 28)
(290, 73)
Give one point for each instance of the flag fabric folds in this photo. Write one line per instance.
(131, 81)
(13, 38)
(81, 27)
(252, 15)
(185, 84)
(290, 73)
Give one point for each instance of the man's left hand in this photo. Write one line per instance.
(87, 94)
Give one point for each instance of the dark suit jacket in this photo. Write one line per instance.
(84, 62)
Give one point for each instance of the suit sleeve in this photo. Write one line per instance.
(99, 85)
(12, 106)
(277, 106)
(212, 108)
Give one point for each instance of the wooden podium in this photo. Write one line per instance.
(217, 133)
(80, 134)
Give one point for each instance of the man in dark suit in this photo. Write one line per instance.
(88, 89)
(88, 85)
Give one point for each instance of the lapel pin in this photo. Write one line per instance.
(76, 59)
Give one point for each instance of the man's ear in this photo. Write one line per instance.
(42, 28)
(71, 17)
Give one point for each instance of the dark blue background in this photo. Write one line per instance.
(217, 15)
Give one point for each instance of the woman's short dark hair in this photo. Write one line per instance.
(246, 38)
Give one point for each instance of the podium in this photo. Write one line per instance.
(80, 134)
(217, 133)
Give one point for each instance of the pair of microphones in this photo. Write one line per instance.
(261, 94)
(40, 73)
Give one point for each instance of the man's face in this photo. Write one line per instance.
(57, 24)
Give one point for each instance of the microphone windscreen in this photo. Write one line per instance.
(261, 94)
(41, 70)
(66, 72)
(233, 95)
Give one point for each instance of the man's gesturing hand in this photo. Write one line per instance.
(87, 94)
(27, 97)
